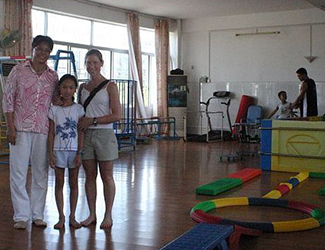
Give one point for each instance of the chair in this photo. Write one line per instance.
(247, 130)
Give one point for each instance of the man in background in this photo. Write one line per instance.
(307, 98)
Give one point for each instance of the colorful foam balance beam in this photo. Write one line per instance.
(284, 188)
(232, 180)
(203, 236)
(199, 214)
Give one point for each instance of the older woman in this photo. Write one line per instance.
(100, 144)
(26, 101)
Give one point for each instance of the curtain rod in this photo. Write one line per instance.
(89, 2)
(258, 33)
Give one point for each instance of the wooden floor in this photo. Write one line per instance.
(155, 192)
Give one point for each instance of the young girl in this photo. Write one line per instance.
(65, 146)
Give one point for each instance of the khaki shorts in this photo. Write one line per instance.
(100, 144)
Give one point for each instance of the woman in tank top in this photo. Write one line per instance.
(100, 146)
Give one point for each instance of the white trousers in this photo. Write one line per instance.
(29, 147)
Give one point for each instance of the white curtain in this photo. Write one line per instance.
(135, 60)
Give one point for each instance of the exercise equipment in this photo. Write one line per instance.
(224, 184)
(212, 135)
(211, 236)
(199, 214)
(202, 237)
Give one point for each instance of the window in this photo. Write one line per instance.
(68, 29)
(62, 64)
(147, 39)
(79, 34)
(106, 71)
(79, 55)
(145, 79)
(112, 36)
(38, 20)
(120, 66)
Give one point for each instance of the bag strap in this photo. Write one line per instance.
(93, 93)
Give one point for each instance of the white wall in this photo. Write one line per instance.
(91, 11)
(256, 65)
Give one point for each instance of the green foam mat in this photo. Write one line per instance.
(218, 186)
(321, 191)
(317, 175)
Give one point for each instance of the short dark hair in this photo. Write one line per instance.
(42, 39)
(282, 92)
(70, 77)
(302, 71)
(95, 52)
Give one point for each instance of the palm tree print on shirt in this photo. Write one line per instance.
(67, 132)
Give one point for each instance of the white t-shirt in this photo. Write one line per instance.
(285, 111)
(65, 121)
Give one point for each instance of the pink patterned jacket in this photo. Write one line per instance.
(29, 96)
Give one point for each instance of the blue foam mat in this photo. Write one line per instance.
(202, 237)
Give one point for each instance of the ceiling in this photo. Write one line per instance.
(185, 9)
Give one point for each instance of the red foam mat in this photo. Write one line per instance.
(246, 174)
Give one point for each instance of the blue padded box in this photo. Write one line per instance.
(202, 237)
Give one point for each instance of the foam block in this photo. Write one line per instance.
(317, 175)
(321, 191)
(274, 194)
(246, 174)
(218, 186)
(283, 189)
(302, 176)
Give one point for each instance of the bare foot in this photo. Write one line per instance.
(107, 223)
(60, 224)
(90, 220)
(73, 223)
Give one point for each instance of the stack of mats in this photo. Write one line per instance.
(231, 181)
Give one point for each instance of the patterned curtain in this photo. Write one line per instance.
(162, 55)
(134, 31)
(135, 59)
(18, 16)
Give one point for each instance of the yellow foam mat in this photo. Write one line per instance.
(274, 194)
(295, 225)
(226, 202)
(301, 176)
